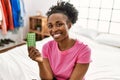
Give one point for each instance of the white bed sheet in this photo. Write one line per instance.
(16, 65)
(105, 61)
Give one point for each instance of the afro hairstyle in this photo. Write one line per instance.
(66, 9)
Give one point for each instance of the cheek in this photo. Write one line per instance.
(50, 31)
(65, 33)
(65, 30)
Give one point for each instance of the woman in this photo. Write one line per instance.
(63, 58)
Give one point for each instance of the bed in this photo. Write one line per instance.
(104, 20)
(16, 65)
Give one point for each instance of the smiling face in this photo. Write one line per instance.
(58, 25)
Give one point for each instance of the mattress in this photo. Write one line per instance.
(16, 65)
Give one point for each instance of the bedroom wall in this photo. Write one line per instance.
(99, 15)
(32, 8)
(35, 7)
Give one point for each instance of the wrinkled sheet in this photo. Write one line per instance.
(16, 65)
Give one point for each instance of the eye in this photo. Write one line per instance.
(49, 26)
(59, 24)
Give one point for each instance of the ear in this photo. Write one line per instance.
(69, 25)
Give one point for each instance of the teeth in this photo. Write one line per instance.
(56, 35)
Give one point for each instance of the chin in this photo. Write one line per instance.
(57, 39)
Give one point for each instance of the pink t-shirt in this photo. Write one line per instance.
(62, 62)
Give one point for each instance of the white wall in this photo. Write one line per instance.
(32, 7)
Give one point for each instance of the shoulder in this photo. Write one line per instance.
(84, 53)
(83, 46)
(47, 47)
(49, 44)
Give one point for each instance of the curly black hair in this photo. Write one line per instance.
(65, 8)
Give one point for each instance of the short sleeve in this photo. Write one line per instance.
(84, 55)
(45, 50)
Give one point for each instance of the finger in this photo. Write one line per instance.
(37, 54)
(31, 51)
(29, 48)
(34, 53)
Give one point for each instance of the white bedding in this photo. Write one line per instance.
(16, 65)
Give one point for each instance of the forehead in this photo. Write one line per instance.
(57, 17)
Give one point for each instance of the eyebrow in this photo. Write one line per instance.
(56, 22)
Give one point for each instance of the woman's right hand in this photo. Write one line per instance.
(34, 54)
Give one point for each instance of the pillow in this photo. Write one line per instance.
(109, 39)
(87, 33)
(90, 33)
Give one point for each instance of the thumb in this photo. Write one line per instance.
(39, 59)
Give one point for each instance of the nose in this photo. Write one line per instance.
(54, 29)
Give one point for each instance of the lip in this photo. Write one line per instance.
(56, 35)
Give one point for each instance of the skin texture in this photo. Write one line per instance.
(58, 25)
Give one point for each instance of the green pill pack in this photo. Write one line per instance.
(31, 39)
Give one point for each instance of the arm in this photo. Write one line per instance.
(43, 63)
(79, 71)
(45, 70)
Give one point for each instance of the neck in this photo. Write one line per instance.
(66, 44)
